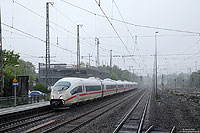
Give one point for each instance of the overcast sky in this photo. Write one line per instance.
(177, 51)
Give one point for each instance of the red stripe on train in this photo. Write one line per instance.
(70, 98)
(92, 93)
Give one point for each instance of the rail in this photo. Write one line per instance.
(86, 117)
(128, 114)
(143, 116)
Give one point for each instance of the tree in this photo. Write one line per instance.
(10, 59)
(41, 87)
(113, 76)
(117, 73)
(195, 80)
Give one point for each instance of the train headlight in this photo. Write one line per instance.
(61, 97)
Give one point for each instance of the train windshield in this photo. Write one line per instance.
(61, 86)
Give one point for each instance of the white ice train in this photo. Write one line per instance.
(68, 91)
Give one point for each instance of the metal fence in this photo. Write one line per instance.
(21, 100)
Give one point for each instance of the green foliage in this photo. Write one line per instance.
(10, 59)
(117, 73)
(157, 96)
(41, 87)
(182, 80)
(194, 81)
(113, 76)
(172, 93)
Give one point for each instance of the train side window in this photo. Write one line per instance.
(93, 88)
(77, 89)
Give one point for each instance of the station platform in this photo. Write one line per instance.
(20, 108)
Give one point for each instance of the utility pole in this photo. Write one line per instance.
(162, 82)
(196, 66)
(15, 89)
(1, 56)
(47, 78)
(97, 43)
(153, 79)
(89, 60)
(156, 64)
(110, 59)
(175, 84)
(78, 51)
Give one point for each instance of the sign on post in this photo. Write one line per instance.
(15, 83)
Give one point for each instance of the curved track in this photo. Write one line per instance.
(75, 123)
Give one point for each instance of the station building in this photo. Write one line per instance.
(58, 71)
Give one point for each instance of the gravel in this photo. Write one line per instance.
(175, 108)
(107, 122)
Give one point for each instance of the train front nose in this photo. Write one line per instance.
(56, 100)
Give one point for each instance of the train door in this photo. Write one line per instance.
(102, 89)
(116, 87)
(80, 95)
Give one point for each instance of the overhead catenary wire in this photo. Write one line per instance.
(129, 33)
(83, 38)
(129, 23)
(151, 27)
(146, 36)
(35, 37)
(51, 21)
(186, 35)
(37, 14)
(114, 29)
(125, 24)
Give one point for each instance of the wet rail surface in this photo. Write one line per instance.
(48, 118)
(151, 129)
(75, 123)
(133, 120)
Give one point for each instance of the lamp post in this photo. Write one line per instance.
(15, 103)
(78, 50)
(156, 63)
(175, 84)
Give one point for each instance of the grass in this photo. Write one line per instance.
(172, 93)
(158, 97)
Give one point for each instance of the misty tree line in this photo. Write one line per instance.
(182, 80)
(117, 73)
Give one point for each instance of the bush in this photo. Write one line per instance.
(41, 87)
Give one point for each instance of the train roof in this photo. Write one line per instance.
(73, 80)
(91, 80)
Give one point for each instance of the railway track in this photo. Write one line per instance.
(18, 124)
(37, 121)
(152, 130)
(133, 121)
(75, 123)
(11, 117)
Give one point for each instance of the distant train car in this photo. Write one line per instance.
(110, 87)
(68, 91)
(120, 86)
